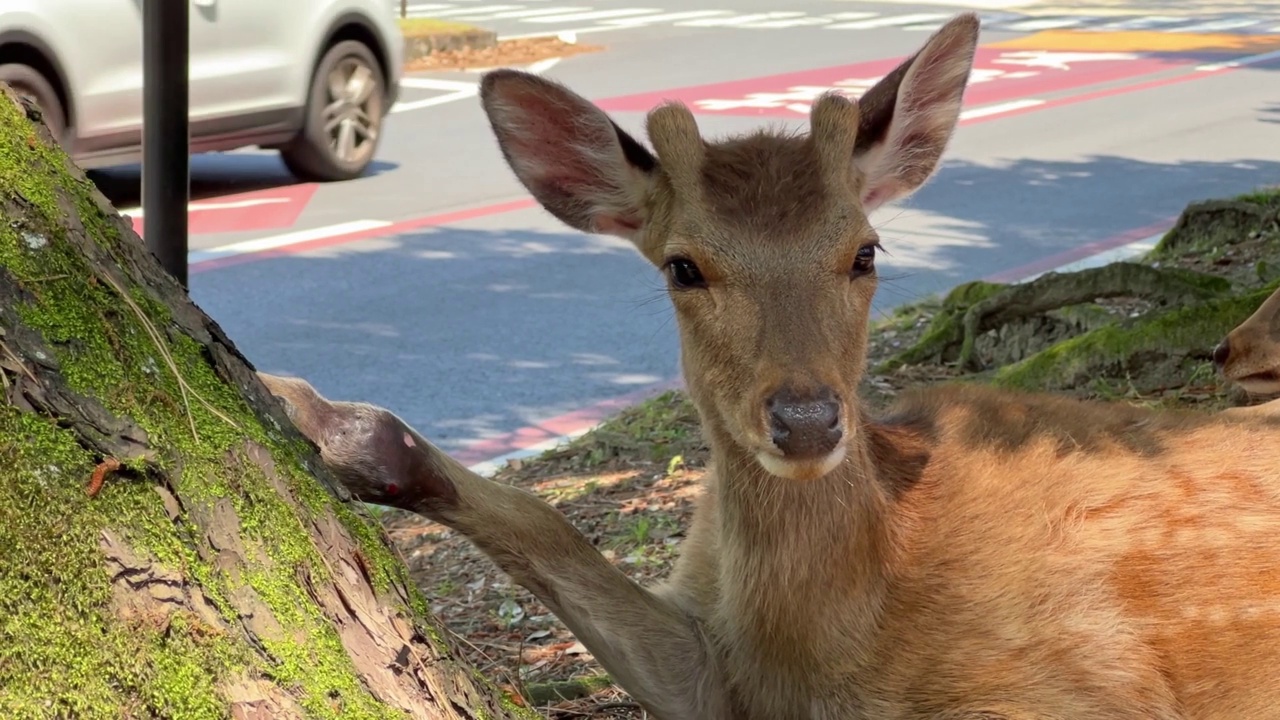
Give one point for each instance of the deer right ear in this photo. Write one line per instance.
(906, 120)
(576, 162)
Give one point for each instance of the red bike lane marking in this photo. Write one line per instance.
(999, 75)
(258, 210)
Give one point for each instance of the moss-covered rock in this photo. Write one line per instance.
(171, 545)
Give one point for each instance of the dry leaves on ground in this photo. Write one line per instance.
(519, 51)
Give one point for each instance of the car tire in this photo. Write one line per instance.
(343, 122)
(26, 80)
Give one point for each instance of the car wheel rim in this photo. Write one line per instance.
(350, 115)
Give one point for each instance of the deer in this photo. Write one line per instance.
(968, 553)
(1249, 357)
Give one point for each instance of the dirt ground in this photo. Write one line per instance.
(630, 487)
(521, 51)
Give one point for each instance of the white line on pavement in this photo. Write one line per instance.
(1000, 108)
(523, 14)
(213, 205)
(273, 242)
(422, 83)
(454, 96)
(910, 19)
(594, 15)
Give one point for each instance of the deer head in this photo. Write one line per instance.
(764, 239)
(1250, 354)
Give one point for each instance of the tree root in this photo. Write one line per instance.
(996, 306)
(1057, 290)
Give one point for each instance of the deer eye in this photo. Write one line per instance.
(684, 274)
(864, 262)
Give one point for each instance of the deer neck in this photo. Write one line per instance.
(791, 550)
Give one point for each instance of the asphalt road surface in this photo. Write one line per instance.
(435, 286)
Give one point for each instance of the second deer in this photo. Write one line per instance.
(972, 554)
(1249, 356)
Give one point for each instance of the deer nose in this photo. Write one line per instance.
(805, 425)
(1221, 353)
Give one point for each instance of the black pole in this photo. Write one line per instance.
(166, 154)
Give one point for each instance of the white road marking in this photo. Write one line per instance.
(1141, 23)
(795, 22)
(405, 106)
(1000, 108)
(137, 212)
(665, 17)
(422, 83)
(889, 21)
(521, 14)
(275, 242)
(852, 15)
(1214, 26)
(595, 15)
(1042, 24)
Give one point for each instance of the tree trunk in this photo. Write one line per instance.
(170, 545)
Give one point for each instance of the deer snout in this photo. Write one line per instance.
(1222, 353)
(805, 426)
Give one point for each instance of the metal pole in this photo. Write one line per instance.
(166, 153)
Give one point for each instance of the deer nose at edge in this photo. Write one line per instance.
(805, 426)
(1221, 353)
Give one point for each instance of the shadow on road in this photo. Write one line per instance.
(468, 333)
(212, 175)
(985, 219)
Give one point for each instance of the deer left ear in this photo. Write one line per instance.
(906, 120)
(578, 164)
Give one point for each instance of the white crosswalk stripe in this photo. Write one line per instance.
(547, 17)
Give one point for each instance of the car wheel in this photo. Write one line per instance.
(344, 116)
(26, 80)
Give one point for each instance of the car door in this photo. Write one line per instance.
(239, 63)
(102, 57)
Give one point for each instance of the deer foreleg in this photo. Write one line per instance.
(652, 649)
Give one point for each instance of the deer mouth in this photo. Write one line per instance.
(802, 469)
(1267, 381)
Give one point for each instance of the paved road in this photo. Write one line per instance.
(435, 287)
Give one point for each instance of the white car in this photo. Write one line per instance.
(311, 78)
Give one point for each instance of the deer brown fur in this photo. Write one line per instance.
(972, 554)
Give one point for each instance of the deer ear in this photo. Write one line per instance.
(583, 168)
(907, 119)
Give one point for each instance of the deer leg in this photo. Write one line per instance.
(652, 649)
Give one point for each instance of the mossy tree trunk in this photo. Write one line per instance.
(169, 544)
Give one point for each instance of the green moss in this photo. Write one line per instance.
(62, 648)
(63, 652)
(1269, 195)
(945, 329)
(1109, 350)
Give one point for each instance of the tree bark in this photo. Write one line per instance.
(170, 545)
